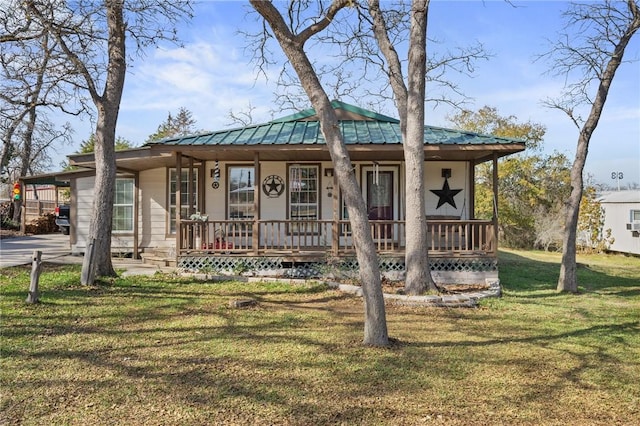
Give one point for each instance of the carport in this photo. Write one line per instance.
(58, 180)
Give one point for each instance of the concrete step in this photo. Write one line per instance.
(158, 259)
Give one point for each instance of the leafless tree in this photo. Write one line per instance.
(243, 117)
(588, 54)
(373, 38)
(410, 102)
(93, 37)
(32, 76)
(292, 37)
(355, 41)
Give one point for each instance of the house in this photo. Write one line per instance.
(622, 216)
(265, 196)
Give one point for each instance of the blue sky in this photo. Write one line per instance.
(212, 75)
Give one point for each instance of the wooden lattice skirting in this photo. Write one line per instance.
(315, 269)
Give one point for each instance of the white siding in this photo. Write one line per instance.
(84, 205)
(276, 208)
(153, 210)
(84, 190)
(617, 216)
(459, 180)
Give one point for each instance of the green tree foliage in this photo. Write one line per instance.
(531, 186)
(592, 235)
(87, 147)
(180, 125)
(488, 121)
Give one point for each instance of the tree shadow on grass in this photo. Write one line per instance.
(527, 277)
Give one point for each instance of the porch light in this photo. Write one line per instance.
(215, 174)
(330, 190)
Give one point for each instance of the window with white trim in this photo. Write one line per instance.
(184, 195)
(123, 205)
(241, 192)
(303, 197)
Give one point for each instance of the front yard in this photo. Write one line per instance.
(164, 350)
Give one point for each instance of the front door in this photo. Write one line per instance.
(380, 201)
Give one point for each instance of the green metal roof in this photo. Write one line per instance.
(337, 105)
(298, 129)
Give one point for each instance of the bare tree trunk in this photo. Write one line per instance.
(101, 220)
(410, 105)
(25, 155)
(418, 277)
(108, 106)
(375, 325)
(568, 280)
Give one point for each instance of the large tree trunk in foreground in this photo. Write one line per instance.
(101, 223)
(108, 106)
(410, 105)
(375, 323)
(417, 257)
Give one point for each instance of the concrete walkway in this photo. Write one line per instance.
(19, 250)
(56, 248)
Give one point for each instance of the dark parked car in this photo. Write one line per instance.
(63, 218)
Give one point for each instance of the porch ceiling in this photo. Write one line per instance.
(477, 154)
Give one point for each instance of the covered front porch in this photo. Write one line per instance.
(459, 250)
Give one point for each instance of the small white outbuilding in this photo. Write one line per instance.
(622, 216)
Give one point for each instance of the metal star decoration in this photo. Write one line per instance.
(273, 186)
(446, 195)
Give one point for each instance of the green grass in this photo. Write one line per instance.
(165, 350)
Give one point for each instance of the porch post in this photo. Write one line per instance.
(178, 203)
(472, 193)
(23, 209)
(335, 227)
(256, 204)
(495, 202)
(136, 213)
(190, 187)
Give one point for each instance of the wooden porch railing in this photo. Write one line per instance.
(289, 237)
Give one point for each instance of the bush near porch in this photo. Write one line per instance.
(166, 350)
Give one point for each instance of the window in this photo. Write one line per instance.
(184, 195)
(635, 215)
(344, 215)
(123, 205)
(240, 194)
(303, 197)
